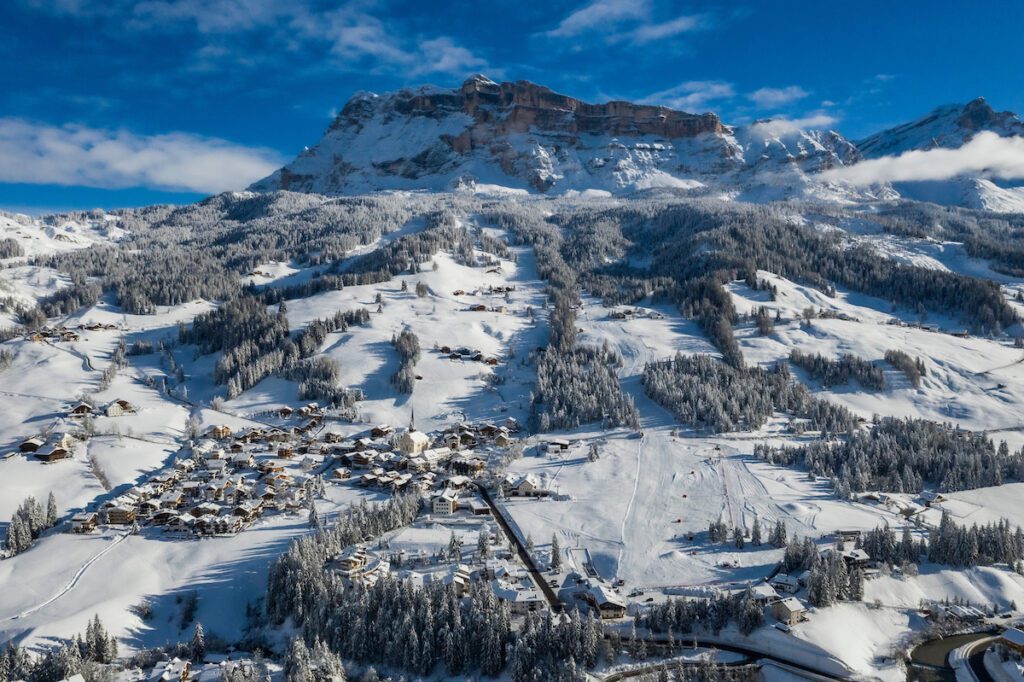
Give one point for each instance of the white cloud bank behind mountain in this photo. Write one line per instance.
(987, 155)
(39, 153)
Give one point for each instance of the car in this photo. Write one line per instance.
(782, 627)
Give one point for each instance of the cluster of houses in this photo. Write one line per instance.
(228, 481)
(441, 466)
(51, 449)
(510, 582)
(589, 590)
(116, 408)
(49, 334)
(463, 353)
(634, 313)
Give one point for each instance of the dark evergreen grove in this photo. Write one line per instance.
(903, 455)
(704, 392)
(841, 370)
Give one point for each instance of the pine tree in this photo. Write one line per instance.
(755, 533)
(556, 553)
(297, 667)
(51, 511)
(198, 644)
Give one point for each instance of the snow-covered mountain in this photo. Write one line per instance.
(948, 126)
(527, 137)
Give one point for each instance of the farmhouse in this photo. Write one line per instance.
(53, 454)
(523, 486)
(84, 523)
(785, 583)
(31, 445)
(219, 432)
(789, 610)
(556, 445)
(121, 515)
(119, 408)
(80, 410)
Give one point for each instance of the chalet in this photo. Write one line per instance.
(333, 437)
(247, 511)
(523, 486)
(503, 440)
(785, 583)
(215, 453)
(363, 459)
(763, 594)
(356, 565)
(219, 432)
(1012, 638)
(460, 579)
(458, 482)
(149, 507)
(119, 408)
(205, 509)
(217, 466)
(478, 507)
(930, 497)
(412, 442)
(342, 474)
(53, 454)
(164, 516)
(80, 411)
(607, 602)
(478, 308)
(175, 670)
(171, 500)
(467, 464)
(277, 436)
(789, 610)
(446, 502)
(243, 460)
(285, 412)
(381, 430)
(31, 445)
(556, 445)
(121, 515)
(84, 523)
(521, 599)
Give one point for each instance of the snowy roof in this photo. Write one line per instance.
(1013, 636)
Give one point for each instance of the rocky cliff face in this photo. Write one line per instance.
(525, 136)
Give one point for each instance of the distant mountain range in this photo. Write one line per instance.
(488, 136)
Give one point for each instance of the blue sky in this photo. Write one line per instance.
(118, 103)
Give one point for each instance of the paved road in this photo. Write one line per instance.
(524, 556)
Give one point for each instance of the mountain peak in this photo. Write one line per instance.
(948, 126)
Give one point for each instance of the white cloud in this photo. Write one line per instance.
(647, 33)
(38, 153)
(349, 32)
(987, 154)
(626, 21)
(600, 14)
(691, 95)
(773, 98)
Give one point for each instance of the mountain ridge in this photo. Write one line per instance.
(521, 136)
